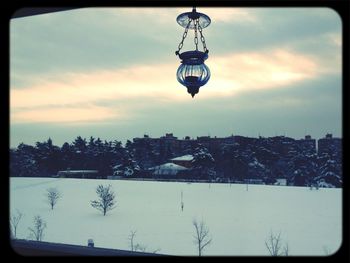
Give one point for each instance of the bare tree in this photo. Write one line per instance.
(138, 247)
(52, 196)
(38, 231)
(156, 250)
(285, 250)
(201, 237)
(14, 220)
(106, 200)
(131, 239)
(274, 246)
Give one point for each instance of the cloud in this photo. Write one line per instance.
(236, 15)
(80, 41)
(113, 70)
(138, 81)
(335, 39)
(168, 15)
(72, 115)
(260, 70)
(231, 74)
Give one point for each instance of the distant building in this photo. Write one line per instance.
(167, 169)
(79, 174)
(254, 181)
(329, 145)
(169, 136)
(307, 145)
(274, 152)
(185, 160)
(281, 181)
(114, 177)
(279, 144)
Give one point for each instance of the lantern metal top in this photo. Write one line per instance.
(194, 57)
(184, 18)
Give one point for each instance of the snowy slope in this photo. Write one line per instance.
(239, 220)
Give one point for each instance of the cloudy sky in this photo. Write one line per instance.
(111, 73)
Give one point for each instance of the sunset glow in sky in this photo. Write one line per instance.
(111, 73)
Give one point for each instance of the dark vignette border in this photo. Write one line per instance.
(18, 8)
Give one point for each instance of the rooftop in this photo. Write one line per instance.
(187, 157)
(170, 166)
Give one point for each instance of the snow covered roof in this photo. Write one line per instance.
(281, 181)
(168, 166)
(187, 157)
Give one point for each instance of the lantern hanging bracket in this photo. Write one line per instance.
(193, 20)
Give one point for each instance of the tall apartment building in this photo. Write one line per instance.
(329, 144)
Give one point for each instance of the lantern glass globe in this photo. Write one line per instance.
(193, 75)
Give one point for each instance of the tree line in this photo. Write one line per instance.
(46, 159)
(228, 163)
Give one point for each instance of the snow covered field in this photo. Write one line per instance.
(239, 221)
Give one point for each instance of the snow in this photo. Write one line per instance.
(256, 164)
(187, 157)
(239, 221)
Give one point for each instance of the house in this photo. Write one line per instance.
(167, 169)
(254, 181)
(113, 177)
(185, 160)
(281, 181)
(78, 174)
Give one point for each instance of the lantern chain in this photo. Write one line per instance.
(202, 39)
(196, 23)
(183, 37)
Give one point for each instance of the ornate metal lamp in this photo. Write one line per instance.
(193, 73)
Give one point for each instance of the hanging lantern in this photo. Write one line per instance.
(193, 73)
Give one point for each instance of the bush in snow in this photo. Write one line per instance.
(128, 166)
(23, 161)
(203, 162)
(329, 174)
(257, 169)
(37, 232)
(52, 196)
(106, 200)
